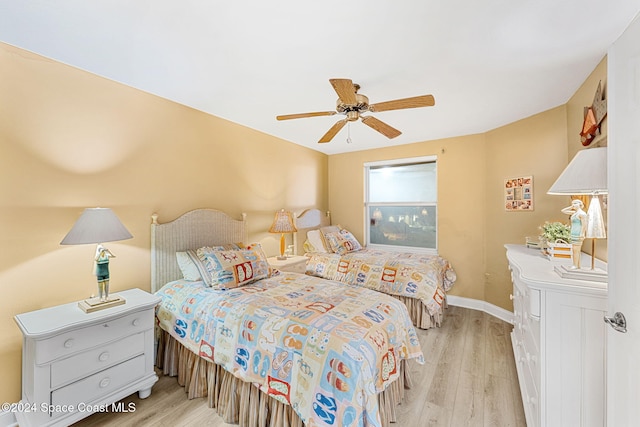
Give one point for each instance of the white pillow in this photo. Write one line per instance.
(187, 267)
(316, 240)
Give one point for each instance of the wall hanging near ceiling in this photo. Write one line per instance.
(593, 117)
(518, 194)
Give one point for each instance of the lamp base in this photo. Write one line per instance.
(592, 275)
(94, 304)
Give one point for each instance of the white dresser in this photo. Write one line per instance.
(76, 363)
(558, 342)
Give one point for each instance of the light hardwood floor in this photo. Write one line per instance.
(469, 379)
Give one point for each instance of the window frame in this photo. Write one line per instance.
(367, 205)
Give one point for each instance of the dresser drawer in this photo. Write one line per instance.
(72, 342)
(99, 384)
(531, 397)
(531, 355)
(97, 359)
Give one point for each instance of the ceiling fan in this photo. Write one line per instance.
(353, 104)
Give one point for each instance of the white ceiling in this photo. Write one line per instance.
(488, 63)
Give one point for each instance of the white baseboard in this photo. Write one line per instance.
(7, 419)
(475, 304)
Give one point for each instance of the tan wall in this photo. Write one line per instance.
(461, 200)
(70, 140)
(533, 146)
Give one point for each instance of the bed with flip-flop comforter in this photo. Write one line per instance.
(325, 348)
(409, 276)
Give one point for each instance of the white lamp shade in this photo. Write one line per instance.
(96, 225)
(585, 174)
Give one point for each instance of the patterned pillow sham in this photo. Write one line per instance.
(343, 242)
(328, 230)
(234, 268)
(191, 265)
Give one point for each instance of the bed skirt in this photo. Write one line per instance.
(418, 313)
(243, 403)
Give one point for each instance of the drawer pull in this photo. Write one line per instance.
(68, 343)
(135, 322)
(104, 356)
(104, 382)
(511, 297)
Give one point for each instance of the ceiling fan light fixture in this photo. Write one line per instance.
(352, 115)
(352, 104)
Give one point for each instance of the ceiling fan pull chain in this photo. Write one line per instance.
(349, 133)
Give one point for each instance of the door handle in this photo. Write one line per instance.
(617, 322)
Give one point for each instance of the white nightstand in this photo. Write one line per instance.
(293, 264)
(76, 363)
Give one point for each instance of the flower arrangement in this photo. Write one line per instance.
(551, 232)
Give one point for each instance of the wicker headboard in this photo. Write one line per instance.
(192, 230)
(309, 219)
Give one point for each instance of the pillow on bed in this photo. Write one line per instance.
(234, 268)
(188, 267)
(343, 242)
(191, 265)
(327, 230)
(315, 242)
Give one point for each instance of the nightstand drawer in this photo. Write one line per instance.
(99, 384)
(97, 359)
(74, 341)
(299, 267)
(294, 264)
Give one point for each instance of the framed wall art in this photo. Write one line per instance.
(518, 194)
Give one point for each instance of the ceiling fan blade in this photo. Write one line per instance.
(380, 126)
(303, 115)
(399, 104)
(333, 131)
(345, 90)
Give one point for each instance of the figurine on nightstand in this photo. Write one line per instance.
(101, 271)
(578, 228)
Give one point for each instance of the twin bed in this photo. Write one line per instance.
(269, 348)
(419, 280)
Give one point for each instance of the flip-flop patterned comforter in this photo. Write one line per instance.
(413, 275)
(324, 348)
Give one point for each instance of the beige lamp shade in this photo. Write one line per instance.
(585, 174)
(96, 225)
(282, 223)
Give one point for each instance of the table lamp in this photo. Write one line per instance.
(97, 226)
(586, 174)
(282, 223)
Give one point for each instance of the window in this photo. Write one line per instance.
(401, 204)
